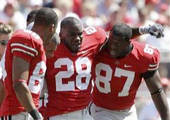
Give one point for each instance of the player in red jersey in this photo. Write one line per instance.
(69, 71)
(24, 66)
(118, 71)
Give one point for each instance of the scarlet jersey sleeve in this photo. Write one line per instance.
(101, 36)
(151, 56)
(25, 45)
(98, 34)
(154, 61)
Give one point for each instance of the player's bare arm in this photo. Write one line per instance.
(152, 80)
(20, 75)
(2, 92)
(154, 30)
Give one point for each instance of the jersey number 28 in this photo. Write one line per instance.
(78, 71)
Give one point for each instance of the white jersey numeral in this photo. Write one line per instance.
(90, 30)
(81, 73)
(64, 74)
(130, 77)
(37, 78)
(148, 49)
(106, 79)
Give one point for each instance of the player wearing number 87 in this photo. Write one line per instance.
(68, 73)
(118, 71)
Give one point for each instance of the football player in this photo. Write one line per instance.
(24, 66)
(118, 71)
(69, 71)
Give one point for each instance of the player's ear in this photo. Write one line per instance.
(53, 28)
(61, 33)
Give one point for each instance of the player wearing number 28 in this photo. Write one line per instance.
(69, 71)
(118, 72)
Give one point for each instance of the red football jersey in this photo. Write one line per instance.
(117, 80)
(29, 46)
(69, 75)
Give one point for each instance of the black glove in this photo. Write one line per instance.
(154, 30)
(36, 115)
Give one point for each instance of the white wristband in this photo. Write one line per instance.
(143, 30)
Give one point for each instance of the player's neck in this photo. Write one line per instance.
(126, 52)
(38, 31)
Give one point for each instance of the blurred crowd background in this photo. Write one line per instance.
(104, 13)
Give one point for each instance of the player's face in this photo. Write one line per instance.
(50, 48)
(72, 37)
(116, 46)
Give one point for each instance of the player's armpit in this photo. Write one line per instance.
(159, 98)
(148, 74)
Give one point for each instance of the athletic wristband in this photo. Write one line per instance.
(35, 114)
(143, 30)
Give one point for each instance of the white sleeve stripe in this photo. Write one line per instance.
(150, 69)
(24, 46)
(21, 50)
(153, 65)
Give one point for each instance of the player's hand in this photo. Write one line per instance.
(154, 30)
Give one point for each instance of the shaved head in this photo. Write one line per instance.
(70, 21)
(71, 33)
